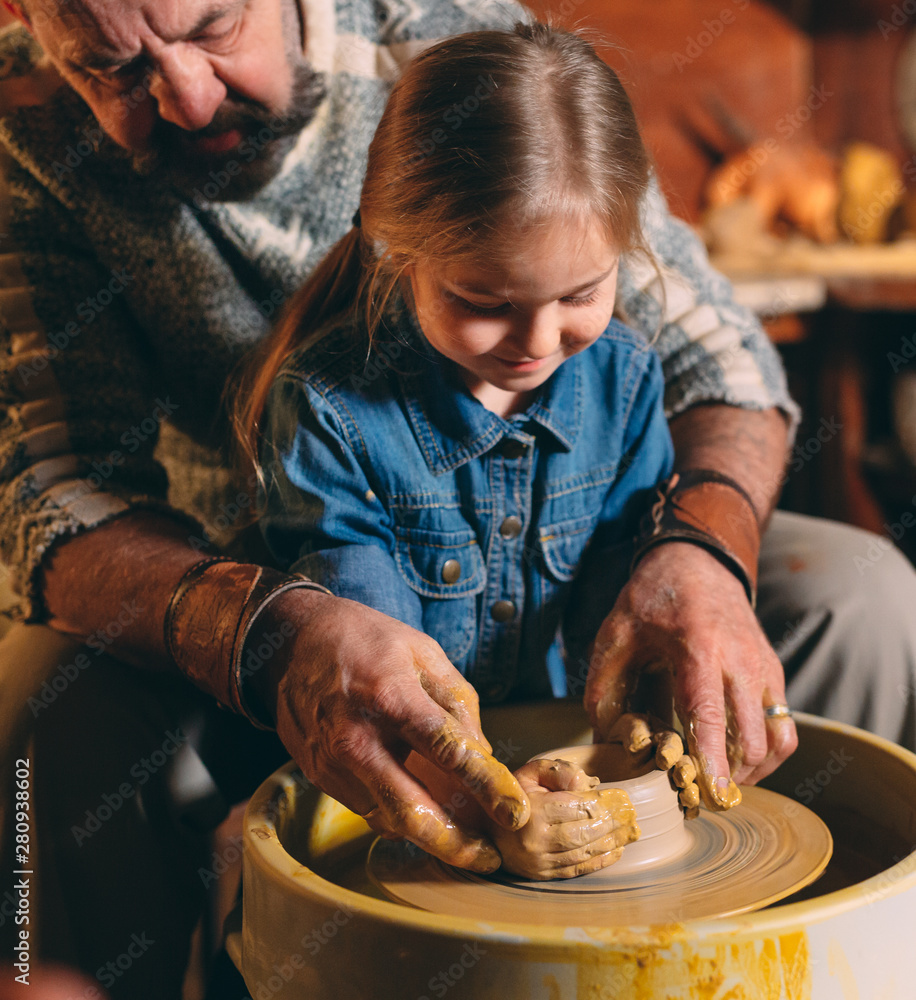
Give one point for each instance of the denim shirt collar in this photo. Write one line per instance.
(452, 427)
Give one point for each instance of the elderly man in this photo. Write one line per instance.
(194, 163)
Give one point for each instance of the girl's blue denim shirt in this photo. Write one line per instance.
(506, 540)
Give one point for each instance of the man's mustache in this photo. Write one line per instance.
(248, 121)
(249, 118)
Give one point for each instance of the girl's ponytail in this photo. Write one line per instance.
(332, 289)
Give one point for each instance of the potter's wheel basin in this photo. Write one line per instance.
(314, 927)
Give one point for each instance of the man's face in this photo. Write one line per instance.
(188, 86)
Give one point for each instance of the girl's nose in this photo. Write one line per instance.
(538, 335)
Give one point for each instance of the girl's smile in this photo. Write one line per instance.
(509, 324)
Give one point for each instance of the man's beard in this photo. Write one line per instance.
(236, 175)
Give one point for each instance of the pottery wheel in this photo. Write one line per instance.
(755, 854)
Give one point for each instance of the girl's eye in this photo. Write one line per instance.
(481, 310)
(475, 310)
(583, 300)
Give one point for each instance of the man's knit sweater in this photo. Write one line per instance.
(124, 307)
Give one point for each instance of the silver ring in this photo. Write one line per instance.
(780, 711)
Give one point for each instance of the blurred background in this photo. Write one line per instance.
(785, 132)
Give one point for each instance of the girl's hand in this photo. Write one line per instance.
(575, 828)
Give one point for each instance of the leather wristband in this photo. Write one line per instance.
(211, 614)
(709, 509)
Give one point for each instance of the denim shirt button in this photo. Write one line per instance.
(451, 571)
(511, 527)
(512, 448)
(503, 611)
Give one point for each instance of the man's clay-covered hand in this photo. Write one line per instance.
(354, 694)
(574, 828)
(684, 612)
(644, 736)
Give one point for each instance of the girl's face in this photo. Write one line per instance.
(509, 324)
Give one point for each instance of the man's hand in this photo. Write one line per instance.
(355, 693)
(685, 612)
(644, 736)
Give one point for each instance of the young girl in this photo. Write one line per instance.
(455, 429)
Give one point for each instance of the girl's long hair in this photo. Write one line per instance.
(485, 135)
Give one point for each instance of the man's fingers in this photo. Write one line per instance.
(689, 795)
(701, 706)
(580, 856)
(406, 809)
(782, 740)
(746, 728)
(344, 786)
(459, 699)
(612, 675)
(443, 742)
(683, 772)
(669, 748)
(632, 731)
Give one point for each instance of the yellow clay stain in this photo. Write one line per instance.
(839, 968)
(770, 970)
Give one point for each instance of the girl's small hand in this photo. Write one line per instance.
(575, 828)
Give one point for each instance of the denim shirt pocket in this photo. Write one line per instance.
(427, 562)
(562, 545)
